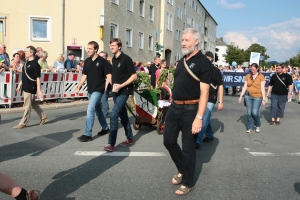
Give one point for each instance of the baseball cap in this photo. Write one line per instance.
(209, 54)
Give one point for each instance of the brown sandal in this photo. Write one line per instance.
(177, 179)
(185, 190)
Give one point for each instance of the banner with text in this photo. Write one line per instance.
(238, 78)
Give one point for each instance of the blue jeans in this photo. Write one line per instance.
(94, 107)
(119, 110)
(206, 126)
(253, 104)
(104, 103)
(180, 118)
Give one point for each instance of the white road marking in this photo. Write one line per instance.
(274, 154)
(118, 153)
(247, 149)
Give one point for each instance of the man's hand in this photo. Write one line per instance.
(240, 99)
(77, 91)
(117, 87)
(290, 95)
(41, 95)
(220, 106)
(197, 125)
(263, 103)
(18, 90)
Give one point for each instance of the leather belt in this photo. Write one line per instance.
(188, 102)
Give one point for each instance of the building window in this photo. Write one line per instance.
(128, 37)
(129, 5)
(198, 10)
(177, 56)
(151, 13)
(170, 2)
(40, 29)
(169, 21)
(178, 35)
(142, 8)
(184, 8)
(141, 40)
(115, 2)
(179, 13)
(184, 25)
(113, 31)
(150, 43)
(1, 32)
(189, 19)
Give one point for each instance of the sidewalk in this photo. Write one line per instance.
(52, 106)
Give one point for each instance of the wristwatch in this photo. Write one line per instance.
(199, 117)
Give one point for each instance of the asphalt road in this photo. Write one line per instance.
(236, 165)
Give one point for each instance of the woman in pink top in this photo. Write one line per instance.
(163, 65)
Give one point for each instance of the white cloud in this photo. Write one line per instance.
(228, 5)
(282, 40)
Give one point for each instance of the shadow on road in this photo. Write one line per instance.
(217, 125)
(35, 146)
(67, 182)
(72, 116)
(266, 113)
(204, 155)
(5, 121)
(297, 187)
(243, 119)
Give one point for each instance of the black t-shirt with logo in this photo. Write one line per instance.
(152, 71)
(96, 72)
(278, 88)
(185, 86)
(33, 70)
(122, 70)
(216, 81)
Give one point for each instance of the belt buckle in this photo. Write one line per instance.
(183, 102)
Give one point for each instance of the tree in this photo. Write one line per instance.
(233, 53)
(259, 49)
(295, 60)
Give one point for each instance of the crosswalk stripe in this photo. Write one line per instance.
(119, 153)
(274, 154)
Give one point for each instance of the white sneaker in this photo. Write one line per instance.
(257, 130)
(249, 131)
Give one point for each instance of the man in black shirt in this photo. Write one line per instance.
(190, 96)
(152, 70)
(279, 84)
(31, 83)
(123, 75)
(215, 87)
(96, 70)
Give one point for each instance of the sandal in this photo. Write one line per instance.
(185, 190)
(177, 179)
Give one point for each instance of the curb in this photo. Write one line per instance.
(52, 106)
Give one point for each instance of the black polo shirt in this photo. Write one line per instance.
(96, 72)
(152, 71)
(278, 88)
(33, 70)
(216, 81)
(185, 86)
(122, 70)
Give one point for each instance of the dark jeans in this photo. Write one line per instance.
(180, 118)
(119, 110)
(278, 105)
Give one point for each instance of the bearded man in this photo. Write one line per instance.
(190, 94)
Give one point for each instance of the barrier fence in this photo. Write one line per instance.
(54, 85)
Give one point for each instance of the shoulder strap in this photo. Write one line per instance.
(281, 80)
(190, 71)
(26, 72)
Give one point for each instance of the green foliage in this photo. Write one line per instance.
(233, 53)
(294, 61)
(259, 49)
(142, 77)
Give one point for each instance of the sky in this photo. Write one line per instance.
(274, 24)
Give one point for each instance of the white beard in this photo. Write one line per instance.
(187, 51)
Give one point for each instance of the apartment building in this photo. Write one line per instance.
(61, 26)
(222, 48)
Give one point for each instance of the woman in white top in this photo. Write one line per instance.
(16, 64)
(80, 66)
(58, 65)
